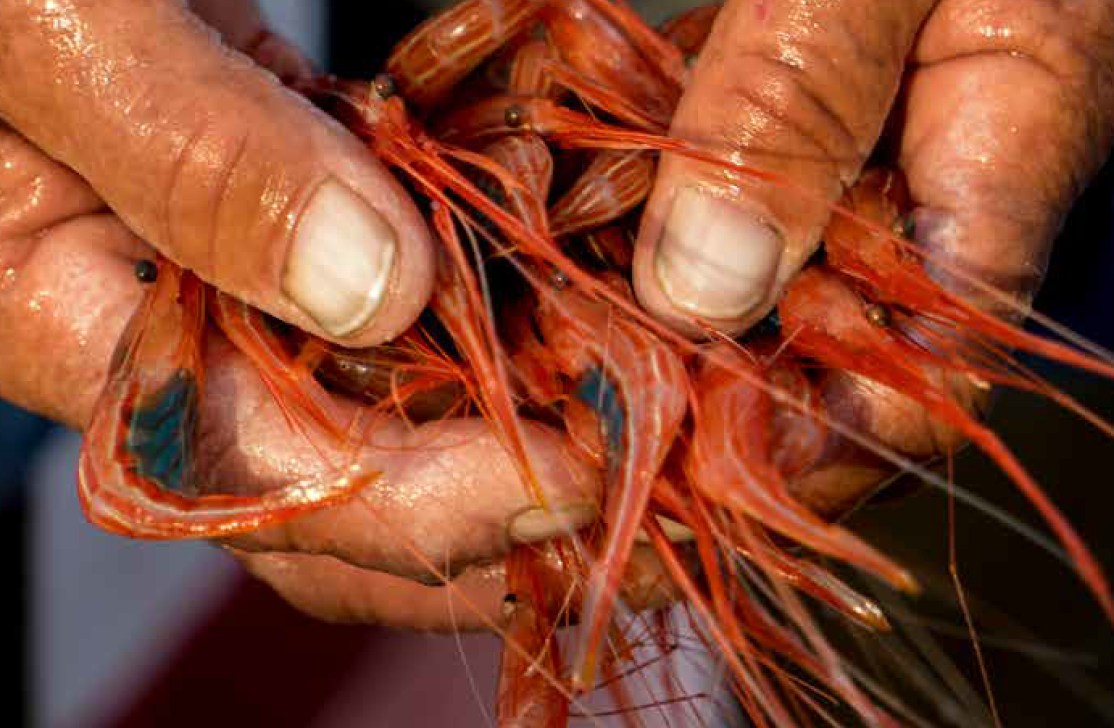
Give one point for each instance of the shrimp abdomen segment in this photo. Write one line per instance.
(134, 473)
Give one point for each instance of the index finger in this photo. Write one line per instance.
(207, 157)
(448, 495)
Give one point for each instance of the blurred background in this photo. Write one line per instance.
(104, 632)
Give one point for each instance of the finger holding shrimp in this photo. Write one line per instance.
(998, 113)
(328, 588)
(798, 88)
(446, 498)
(206, 156)
(1002, 132)
(448, 494)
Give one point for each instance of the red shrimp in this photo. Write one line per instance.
(527, 158)
(730, 461)
(689, 31)
(666, 59)
(638, 385)
(528, 694)
(135, 473)
(412, 377)
(439, 53)
(890, 271)
(604, 66)
(529, 73)
(827, 321)
(614, 183)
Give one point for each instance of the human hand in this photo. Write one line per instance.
(129, 127)
(997, 111)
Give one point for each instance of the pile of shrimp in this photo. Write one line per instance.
(530, 130)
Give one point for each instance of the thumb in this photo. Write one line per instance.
(207, 157)
(797, 88)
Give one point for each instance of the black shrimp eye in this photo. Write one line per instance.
(559, 279)
(514, 116)
(384, 86)
(510, 605)
(146, 271)
(878, 315)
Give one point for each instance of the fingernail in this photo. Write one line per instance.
(540, 524)
(715, 259)
(674, 532)
(340, 263)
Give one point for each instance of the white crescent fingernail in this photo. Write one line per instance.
(714, 258)
(340, 263)
(541, 524)
(674, 532)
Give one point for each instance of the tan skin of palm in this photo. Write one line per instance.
(964, 88)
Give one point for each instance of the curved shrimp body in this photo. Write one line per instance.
(690, 29)
(527, 158)
(436, 56)
(829, 323)
(134, 473)
(892, 272)
(528, 695)
(602, 18)
(602, 58)
(408, 377)
(638, 387)
(729, 461)
(614, 183)
(530, 70)
(290, 381)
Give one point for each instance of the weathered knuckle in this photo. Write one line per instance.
(1071, 39)
(780, 108)
(36, 193)
(200, 181)
(811, 113)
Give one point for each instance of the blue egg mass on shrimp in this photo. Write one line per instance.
(160, 435)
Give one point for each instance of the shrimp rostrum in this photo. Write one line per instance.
(530, 130)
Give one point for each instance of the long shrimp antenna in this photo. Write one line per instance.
(565, 131)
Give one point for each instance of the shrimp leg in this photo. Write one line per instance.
(528, 695)
(135, 473)
(638, 386)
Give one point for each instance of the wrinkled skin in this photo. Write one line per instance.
(67, 289)
(999, 111)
